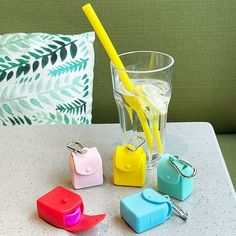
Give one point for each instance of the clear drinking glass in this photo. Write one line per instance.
(143, 111)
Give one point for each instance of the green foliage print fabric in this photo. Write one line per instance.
(46, 78)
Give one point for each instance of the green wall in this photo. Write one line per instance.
(199, 34)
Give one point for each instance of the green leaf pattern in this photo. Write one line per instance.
(46, 78)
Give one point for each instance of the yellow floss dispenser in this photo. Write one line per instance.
(129, 165)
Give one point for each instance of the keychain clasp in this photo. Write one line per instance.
(178, 210)
(81, 149)
(171, 160)
(135, 148)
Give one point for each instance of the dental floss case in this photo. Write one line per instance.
(65, 209)
(129, 167)
(172, 182)
(86, 168)
(145, 210)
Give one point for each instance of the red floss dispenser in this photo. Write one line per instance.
(64, 209)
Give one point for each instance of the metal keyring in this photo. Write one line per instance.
(140, 144)
(178, 210)
(171, 160)
(81, 150)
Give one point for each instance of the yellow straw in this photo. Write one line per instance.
(157, 135)
(111, 51)
(107, 44)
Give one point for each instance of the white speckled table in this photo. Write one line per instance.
(34, 160)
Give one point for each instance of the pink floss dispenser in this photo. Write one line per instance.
(85, 166)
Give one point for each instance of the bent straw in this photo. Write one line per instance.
(157, 135)
(110, 49)
(107, 44)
